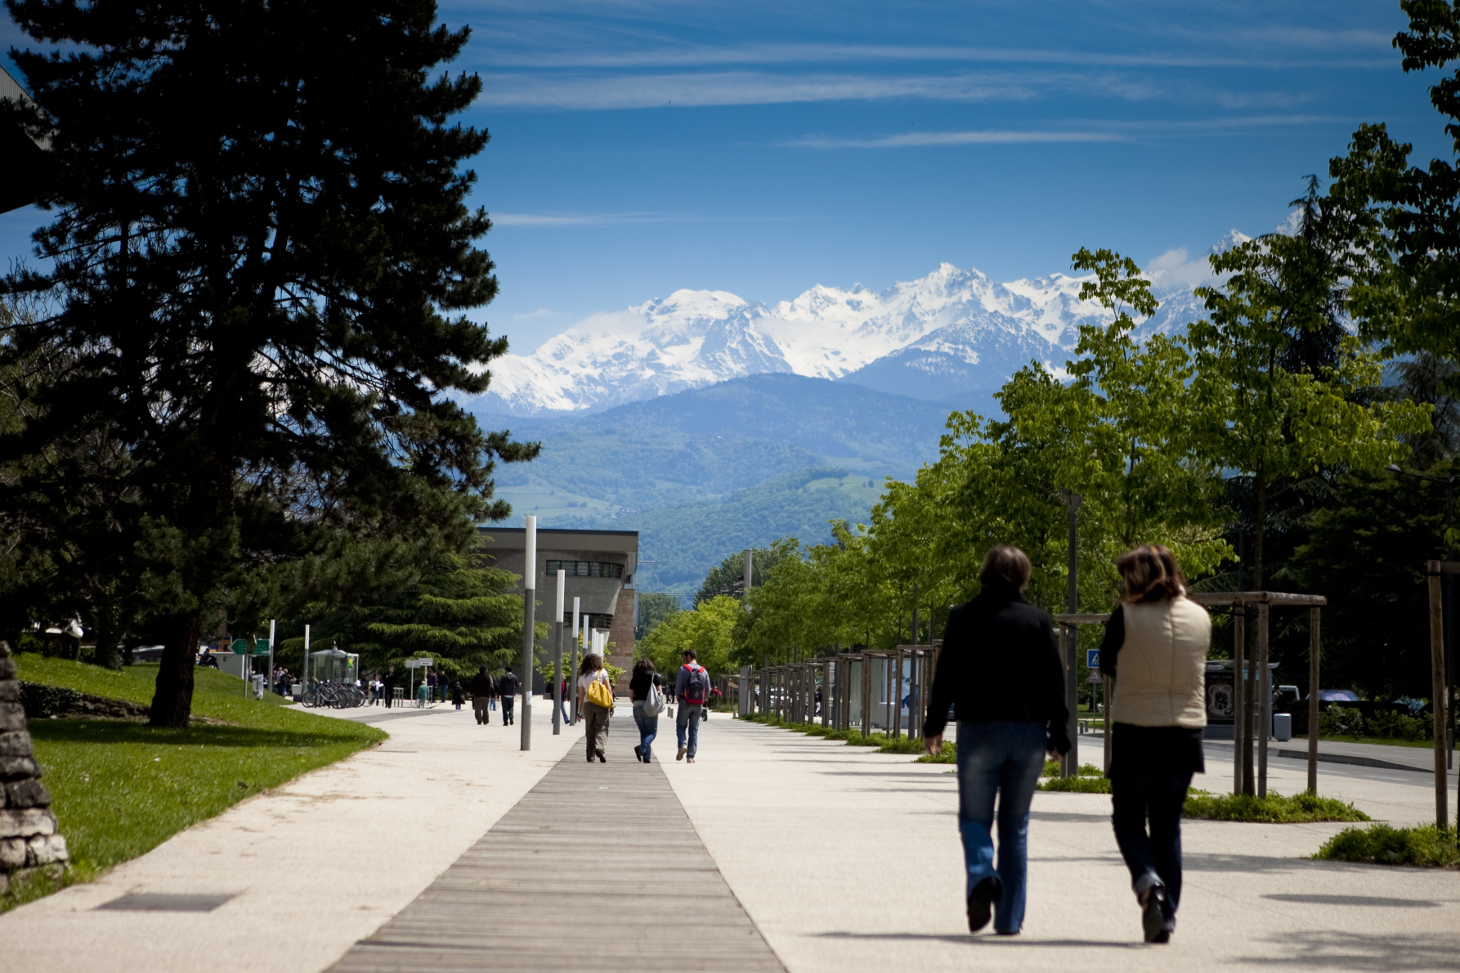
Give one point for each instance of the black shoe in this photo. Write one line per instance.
(638, 756)
(601, 758)
(981, 902)
(1154, 923)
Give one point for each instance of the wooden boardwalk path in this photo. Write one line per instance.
(597, 868)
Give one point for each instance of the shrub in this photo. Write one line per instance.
(1340, 721)
(947, 755)
(1383, 845)
(1400, 726)
(1077, 785)
(1274, 808)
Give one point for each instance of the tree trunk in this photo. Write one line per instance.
(1259, 487)
(107, 618)
(172, 702)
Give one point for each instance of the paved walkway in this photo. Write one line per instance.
(597, 868)
(447, 848)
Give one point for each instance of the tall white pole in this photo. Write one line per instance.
(573, 669)
(271, 655)
(306, 661)
(529, 607)
(557, 694)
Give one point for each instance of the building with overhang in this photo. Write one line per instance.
(599, 568)
(21, 156)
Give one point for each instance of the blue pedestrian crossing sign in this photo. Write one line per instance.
(1092, 658)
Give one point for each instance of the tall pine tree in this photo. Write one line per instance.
(263, 261)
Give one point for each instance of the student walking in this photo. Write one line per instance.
(507, 688)
(645, 689)
(457, 696)
(387, 688)
(1157, 639)
(595, 703)
(1001, 673)
(481, 695)
(691, 688)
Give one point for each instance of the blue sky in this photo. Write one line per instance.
(763, 148)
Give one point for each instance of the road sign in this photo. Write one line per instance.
(239, 646)
(1094, 679)
(1092, 658)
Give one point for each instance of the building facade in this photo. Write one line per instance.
(599, 566)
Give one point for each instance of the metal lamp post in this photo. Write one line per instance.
(529, 607)
(1449, 584)
(573, 669)
(1072, 665)
(558, 660)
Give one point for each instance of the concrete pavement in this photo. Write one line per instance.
(850, 860)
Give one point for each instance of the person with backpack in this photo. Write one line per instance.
(1000, 670)
(692, 688)
(507, 688)
(648, 698)
(1157, 640)
(481, 695)
(595, 704)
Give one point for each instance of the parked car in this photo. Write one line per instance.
(1338, 696)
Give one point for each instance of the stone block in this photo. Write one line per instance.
(26, 822)
(9, 691)
(12, 715)
(12, 852)
(4, 883)
(7, 668)
(45, 850)
(15, 743)
(27, 793)
(13, 767)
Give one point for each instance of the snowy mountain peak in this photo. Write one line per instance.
(937, 337)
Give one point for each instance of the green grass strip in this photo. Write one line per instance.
(121, 788)
(1381, 844)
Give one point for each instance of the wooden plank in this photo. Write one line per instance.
(592, 870)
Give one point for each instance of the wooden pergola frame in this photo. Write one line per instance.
(1242, 770)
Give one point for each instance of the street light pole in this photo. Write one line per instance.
(529, 609)
(1072, 665)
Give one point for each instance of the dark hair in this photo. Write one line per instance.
(643, 666)
(1004, 567)
(1150, 573)
(591, 663)
(690, 653)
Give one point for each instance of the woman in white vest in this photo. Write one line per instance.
(1156, 648)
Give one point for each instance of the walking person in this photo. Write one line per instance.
(507, 688)
(481, 696)
(691, 688)
(1000, 671)
(646, 692)
(563, 700)
(595, 704)
(387, 690)
(1157, 640)
(458, 696)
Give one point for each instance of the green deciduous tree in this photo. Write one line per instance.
(263, 261)
(706, 628)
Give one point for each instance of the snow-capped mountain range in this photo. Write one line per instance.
(945, 335)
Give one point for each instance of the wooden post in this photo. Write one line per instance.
(1264, 697)
(1239, 700)
(1313, 646)
(866, 690)
(897, 694)
(1107, 686)
(1437, 693)
(1070, 762)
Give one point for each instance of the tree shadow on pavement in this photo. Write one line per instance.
(1338, 950)
(1363, 901)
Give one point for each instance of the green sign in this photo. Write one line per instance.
(241, 647)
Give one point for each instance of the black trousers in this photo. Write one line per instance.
(507, 702)
(1157, 798)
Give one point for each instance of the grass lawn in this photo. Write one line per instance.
(122, 788)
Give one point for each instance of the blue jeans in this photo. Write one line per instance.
(1159, 798)
(648, 730)
(1003, 759)
(687, 723)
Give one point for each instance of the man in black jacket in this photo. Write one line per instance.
(1000, 672)
(507, 688)
(481, 695)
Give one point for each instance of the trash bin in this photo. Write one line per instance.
(1282, 727)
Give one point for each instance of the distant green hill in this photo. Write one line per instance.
(706, 444)
(688, 539)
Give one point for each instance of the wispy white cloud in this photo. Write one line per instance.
(915, 139)
(594, 92)
(616, 219)
(541, 312)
